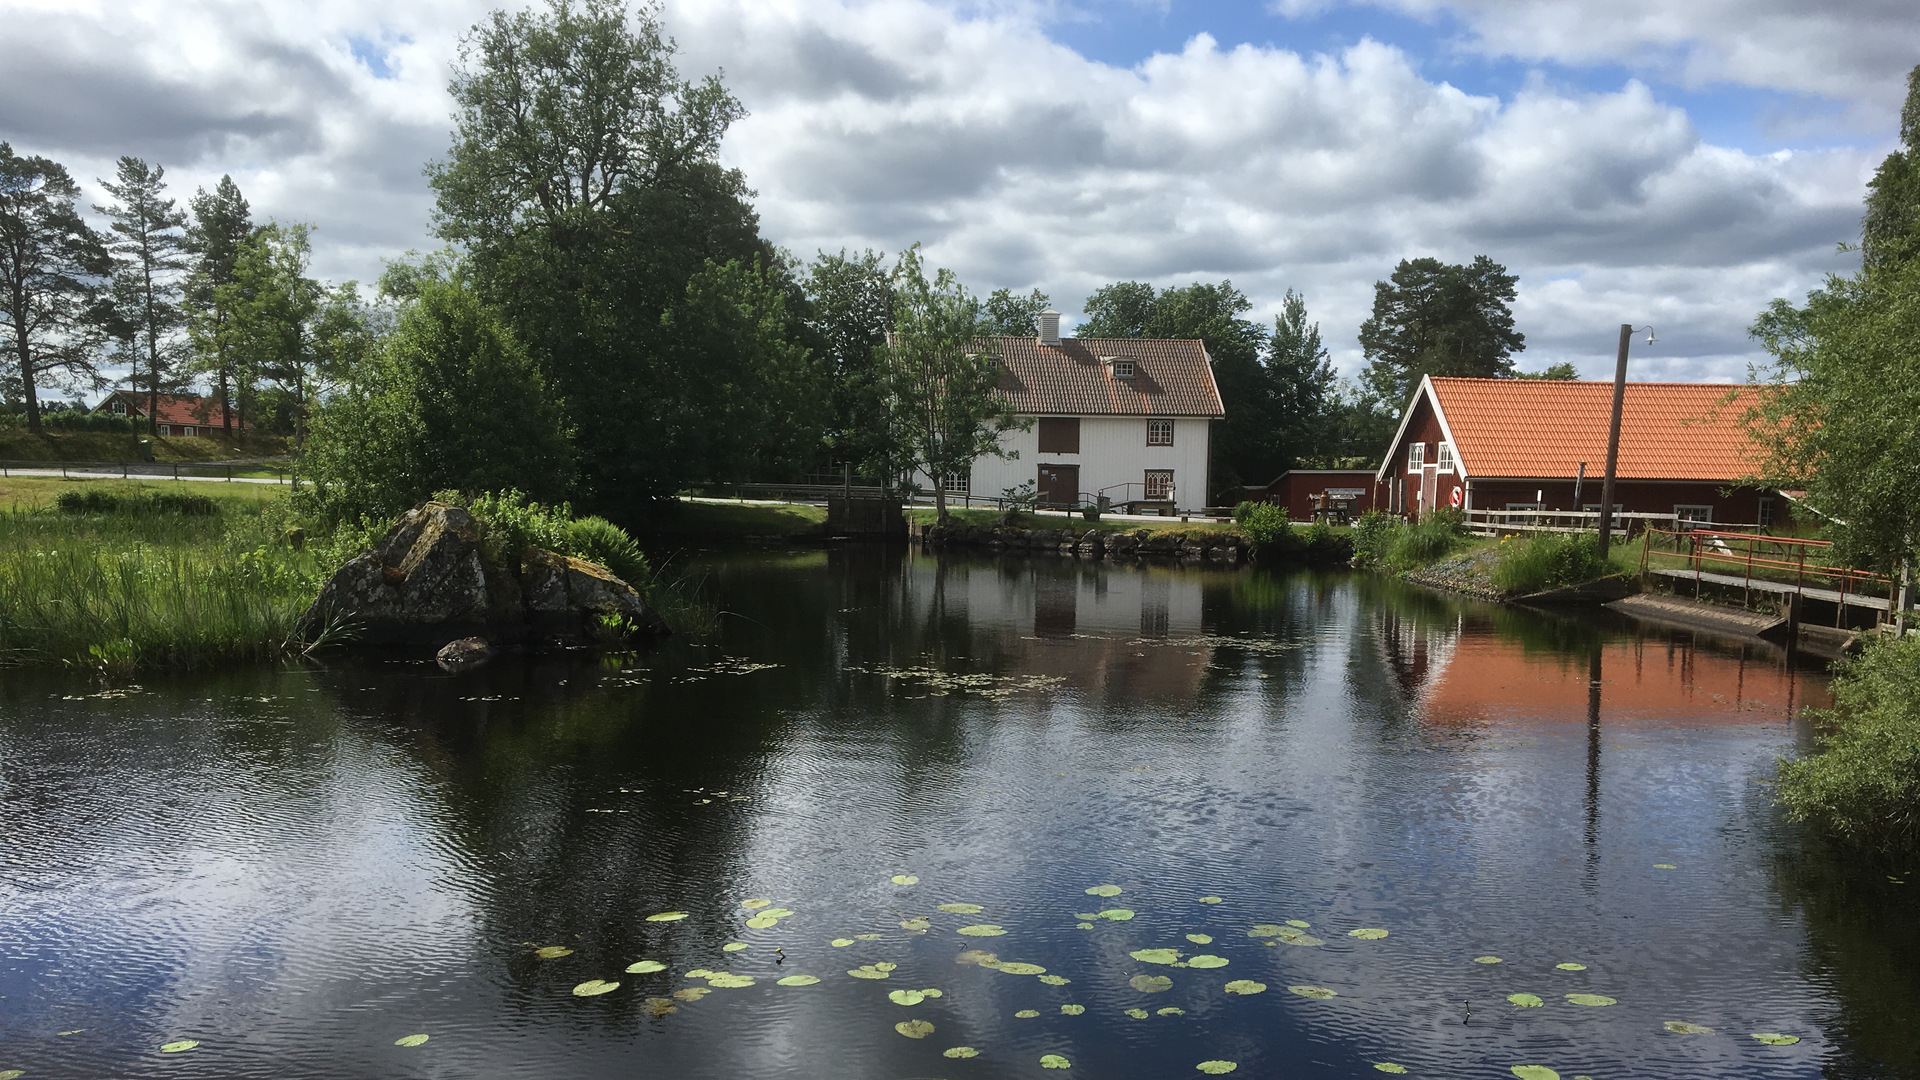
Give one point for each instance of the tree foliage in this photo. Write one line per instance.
(222, 224)
(1015, 316)
(51, 265)
(1890, 231)
(149, 263)
(849, 314)
(1435, 318)
(450, 399)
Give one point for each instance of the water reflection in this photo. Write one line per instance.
(299, 866)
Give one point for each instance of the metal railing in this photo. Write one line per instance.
(1774, 557)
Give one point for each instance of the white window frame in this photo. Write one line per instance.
(1684, 521)
(1147, 485)
(1152, 424)
(1123, 369)
(957, 483)
(1416, 456)
(1443, 456)
(187, 431)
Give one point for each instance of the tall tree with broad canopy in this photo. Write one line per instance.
(148, 242)
(585, 189)
(1016, 316)
(943, 378)
(289, 330)
(1890, 231)
(1435, 318)
(222, 223)
(850, 313)
(1303, 385)
(51, 268)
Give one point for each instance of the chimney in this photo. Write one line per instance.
(1049, 327)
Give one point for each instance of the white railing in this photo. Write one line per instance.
(1497, 522)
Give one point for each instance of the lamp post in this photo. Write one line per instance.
(1613, 434)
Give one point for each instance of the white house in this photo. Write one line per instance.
(1127, 418)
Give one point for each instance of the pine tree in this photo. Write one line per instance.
(51, 265)
(148, 246)
(221, 225)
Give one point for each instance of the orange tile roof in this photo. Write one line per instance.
(1172, 377)
(174, 408)
(1546, 427)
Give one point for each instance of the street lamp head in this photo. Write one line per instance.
(1650, 338)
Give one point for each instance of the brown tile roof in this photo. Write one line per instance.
(1172, 377)
(1546, 427)
(174, 408)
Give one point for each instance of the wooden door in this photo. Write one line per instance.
(1429, 489)
(1059, 485)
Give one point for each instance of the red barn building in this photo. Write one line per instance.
(1303, 491)
(1523, 444)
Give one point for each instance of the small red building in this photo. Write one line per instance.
(177, 415)
(1305, 491)
(1529, 444)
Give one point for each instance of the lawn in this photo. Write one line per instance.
(17, 444)
(715, 519)
(34, 492)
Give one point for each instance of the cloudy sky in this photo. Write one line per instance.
(1677, 164)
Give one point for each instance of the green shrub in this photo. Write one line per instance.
(1242, 509)
(1427, 542)
(515, 523)
(1373, 534)
(1323, 544)
(1862, 784)
(1265, 524)
(601, 541)
(1549, 561)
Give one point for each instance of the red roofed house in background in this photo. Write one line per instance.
(1519, 444)
(1127, 418)
(178, 414)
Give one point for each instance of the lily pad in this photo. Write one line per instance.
(1054, 1061)
(12, 1074)
(960, 1052)
(667, 916)
(645, 967)
(777, 912)
(866, 937)
(1367, 933)
(1317, 992)
(734, 946)
(595, 987)
(1664, 866)
(982, 930)
(410, 1040)
(1023, 969)
(1526, 1001)
(932, 993)
(1594, 1000)
(1086, 916)
(1207, 960)
(1072, 1010)
(692, 993)
(1171, 1010)
(1217, 1068)
(798, 980)
(1200, 939)
(729, 981)
(1155, 956)
(904, 879)
(755, 905)
(1083, 926)
(1118, 914)
(914, 1029)
(552, 952)
(1150, 984)
(661, 1006)
(961, 909)
(1027, 1014)
(1681, 1027)
(977, 956)
(1246, 986)
(179, 1046)
(1535, 1072)
(1055, 980)
(1778, 1040)
(1389, 1067)
(1211, 900)
(868, 971)
(1301, 923)
(1486, 960)
(1570, 967)
(841, 942)
(915, 925)
(701, 973)
(906, 997)
(1304, 941)
(1137, 1014)
(1105, 890)
(1267, 930)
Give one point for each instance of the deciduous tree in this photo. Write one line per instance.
(850, 312)
(1015, 316)
(51, 268)
(1435, 318)
(1890, 232)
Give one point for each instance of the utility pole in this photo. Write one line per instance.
(1613, 439)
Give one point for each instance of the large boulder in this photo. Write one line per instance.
(430, 581)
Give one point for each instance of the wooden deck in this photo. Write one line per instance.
(1831, 596)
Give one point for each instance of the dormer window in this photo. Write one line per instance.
(1123, 367)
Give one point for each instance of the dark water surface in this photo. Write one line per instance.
(298, 866)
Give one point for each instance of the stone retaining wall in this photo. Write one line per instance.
(1223, 548)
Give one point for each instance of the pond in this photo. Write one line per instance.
(1133, 821)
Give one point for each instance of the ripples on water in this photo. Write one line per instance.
(296, 867)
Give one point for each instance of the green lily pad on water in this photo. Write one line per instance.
(667, 916)
(1526, 1001)
(1389, 1067)
(1304, 941)
(1269, 930)
(1200, 939)
(1150, 984)
(1486, 960)
(866, 937)
(1022, 969)
(1155, 956)
(1212, 900)
(179, 1046)
(1535, 1072)
(692, 993)
(961, 909)
(1118, 914)
(959, 1052)
(1367, 933)
(1055, 980)
(1054, 1061)
(1300, 923)
(1317, 992)
(755, 905)
(798, 980)
(906, 997)
(1778, 1040)
(729, 981)
(735, 946)
(982, 930)
(1105, 890)
(1205, 960)
(869, 971)
(1681, 1027)
(1072, 1010)
(1026, 1014)
(1171, 1010)
(645, 967)
(1246, 986)
(841, 942)
(915, 925)
(410, 1040)
(777, 912)
(1083, 926)
(1570, 967)
(701, 973)
(977, 956)
(1217, 1068)
(1593, 1000)
(552, 952)
(12, 1074)
(1137, 1014)
(904, 879)
(1664, 866)
(595, 987)
(914, 1029)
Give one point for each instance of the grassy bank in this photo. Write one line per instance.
(17, 444)
(700, 519)
(1438, 551)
